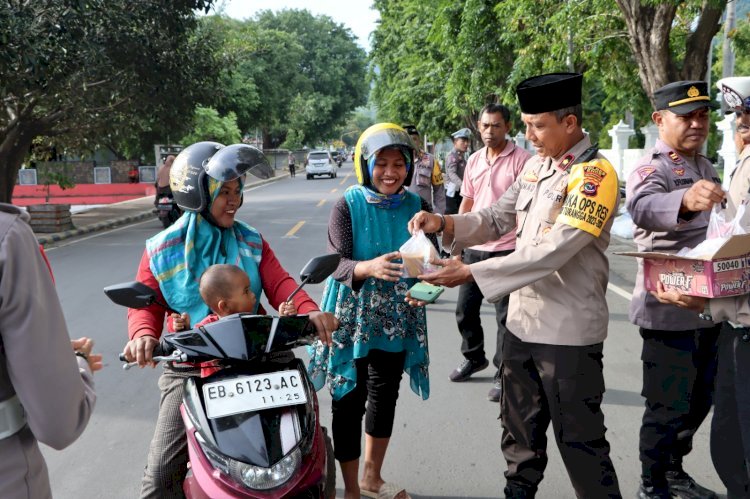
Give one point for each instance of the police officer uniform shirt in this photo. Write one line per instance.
(655, 189)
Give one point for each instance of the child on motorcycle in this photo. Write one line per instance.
(226, 290)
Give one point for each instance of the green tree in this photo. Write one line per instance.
(80, 70)
(331, 71)
(209, 125)
(670, 39)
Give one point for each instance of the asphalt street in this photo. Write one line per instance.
(445, 447)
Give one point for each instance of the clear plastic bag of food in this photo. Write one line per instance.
(416, 254)
(718, 232)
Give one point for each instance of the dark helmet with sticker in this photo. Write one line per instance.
(188, 177)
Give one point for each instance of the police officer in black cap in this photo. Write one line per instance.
(455, 163)
(560, 208)
(670, 194)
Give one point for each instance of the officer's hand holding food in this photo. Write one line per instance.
(452, 273)
(381, 267)
(702, 196)
(84, 346)
(674, 297)
(425, 221)
(141, 350)
(325, 324)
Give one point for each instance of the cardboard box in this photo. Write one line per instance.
(726, 272)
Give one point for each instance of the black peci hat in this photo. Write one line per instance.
(549, 92)
(683, 97)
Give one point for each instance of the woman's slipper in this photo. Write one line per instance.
(387, 491)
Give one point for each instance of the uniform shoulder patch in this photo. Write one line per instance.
(645, 171)
(591, 196)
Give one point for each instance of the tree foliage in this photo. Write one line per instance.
(93, 72)
(291, 73)
(436, 62)
(209, 125)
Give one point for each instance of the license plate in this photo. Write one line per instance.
(253, 393)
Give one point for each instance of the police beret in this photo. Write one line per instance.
(464, 133)
(736, 92)
(683, 97)
(549, 92)
(410, 129)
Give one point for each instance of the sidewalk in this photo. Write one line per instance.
(105, 217)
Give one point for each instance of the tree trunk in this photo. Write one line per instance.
(649, 26)
(14, 146)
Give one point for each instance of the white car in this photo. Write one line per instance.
(320, 163)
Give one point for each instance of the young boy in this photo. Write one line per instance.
(226, 290)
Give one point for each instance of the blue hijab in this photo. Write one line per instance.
(179, 254)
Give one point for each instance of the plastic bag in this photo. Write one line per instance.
(719, 230)
(719, 227)
(416, 254)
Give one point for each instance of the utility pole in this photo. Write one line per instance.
(727, 54)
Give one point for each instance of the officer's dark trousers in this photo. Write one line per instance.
(468, 308)
(452, 203)
(679, 368)
(730, 427)
(564, 385)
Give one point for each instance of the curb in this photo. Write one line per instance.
(45, 239)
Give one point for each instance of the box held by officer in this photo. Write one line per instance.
(723, 272)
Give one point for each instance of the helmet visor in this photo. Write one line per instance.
(387, 137)
(236, 160)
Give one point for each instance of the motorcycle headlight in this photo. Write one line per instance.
(256, 477)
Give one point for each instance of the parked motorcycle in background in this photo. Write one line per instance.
(253, 427)
(167, 210)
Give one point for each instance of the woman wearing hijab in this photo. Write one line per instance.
(207, 180)
(379, 335)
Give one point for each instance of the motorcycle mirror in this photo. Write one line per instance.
(131, 294)
(317, 270)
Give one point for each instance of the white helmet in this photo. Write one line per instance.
(736, 92)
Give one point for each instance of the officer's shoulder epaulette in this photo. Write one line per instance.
(586, 156)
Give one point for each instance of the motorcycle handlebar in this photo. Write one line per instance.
(161, 350)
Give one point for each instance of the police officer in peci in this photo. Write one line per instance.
(563, 202)
(670, 194)
(428, 178)
(455, 163)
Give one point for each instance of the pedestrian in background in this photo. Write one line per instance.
(46, 387)
(379, 336)
(427, 180)
(489, 173)
(561, 207)
(292, 165)
(455, 163)
(670, 194)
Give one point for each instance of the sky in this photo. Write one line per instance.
(356, 15)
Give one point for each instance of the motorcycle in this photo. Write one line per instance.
(252, 427)
(167, 210)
